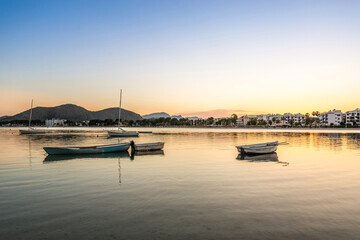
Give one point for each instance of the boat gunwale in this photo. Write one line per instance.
(259, 145)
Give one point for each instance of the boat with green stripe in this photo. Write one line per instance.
(87, 150)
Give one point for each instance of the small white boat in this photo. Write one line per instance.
(260, 148)
(123, 134)
(147, 146)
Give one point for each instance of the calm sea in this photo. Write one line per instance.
(196, 188)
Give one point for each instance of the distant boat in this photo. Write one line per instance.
(122, 132)
(31, 130)
(145, 132)
(147, 146)
(261, 148)
(87, 150)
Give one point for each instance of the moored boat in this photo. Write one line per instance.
(261, 148)
(87, 150)
(63, 157)
(123, 134)
(31, 130)
(147, 146)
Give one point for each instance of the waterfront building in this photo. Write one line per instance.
(243, 120)
(331, 118)
(353, 117)
(54, 122)
(293, 119)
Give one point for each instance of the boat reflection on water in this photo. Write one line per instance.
(53, 158)
(145, 153)
(271, 157)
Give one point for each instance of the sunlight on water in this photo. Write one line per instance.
(197, 188)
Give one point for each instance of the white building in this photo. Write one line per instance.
(289, 118)
(353, 117)
(243, 120)
(274, 117)
(54, 122)
(331, 118)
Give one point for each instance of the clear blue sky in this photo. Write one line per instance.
(181, 56)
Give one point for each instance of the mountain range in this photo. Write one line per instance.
(166, 115)
(156, 115)
(73, 113)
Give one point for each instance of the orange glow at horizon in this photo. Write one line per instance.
(17, 101)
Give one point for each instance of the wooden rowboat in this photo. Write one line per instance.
(261, 148)
(87, 150)
(147, 146)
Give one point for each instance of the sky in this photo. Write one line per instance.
(205, 58)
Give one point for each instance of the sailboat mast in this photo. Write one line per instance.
(32, 100)
(120, 107)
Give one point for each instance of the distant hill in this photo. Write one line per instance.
(3, 117)
(165, 115)
(156, 115)
(177, 116)
(74, 113)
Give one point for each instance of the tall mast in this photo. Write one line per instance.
(120, 107)
(32, 100)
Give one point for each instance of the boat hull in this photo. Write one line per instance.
(32, 131)
(149, 146)
(123, 134)
(63, 157)
(87, 150)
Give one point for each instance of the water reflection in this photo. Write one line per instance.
(144, 153)
(197, 190)
(271, 157)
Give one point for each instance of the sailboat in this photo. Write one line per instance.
(121, 132)
(31, 130)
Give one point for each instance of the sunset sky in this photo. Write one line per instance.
(182, 57)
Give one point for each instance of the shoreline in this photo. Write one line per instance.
(220, 129)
